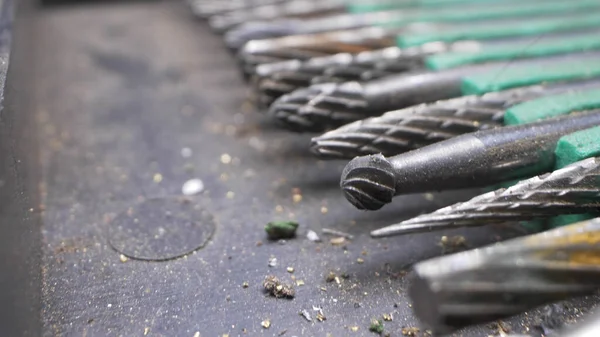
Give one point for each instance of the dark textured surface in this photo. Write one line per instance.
(122, 89)
(20, 239)
(161, 229)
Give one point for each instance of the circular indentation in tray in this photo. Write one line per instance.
(161, 229)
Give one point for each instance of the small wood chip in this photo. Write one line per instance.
(453, 243)
(338, 241)
(266, 324)
(410, 331)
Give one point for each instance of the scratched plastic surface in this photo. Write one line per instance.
(121, 90)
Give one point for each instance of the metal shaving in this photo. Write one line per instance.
(337, 233)
(304, 313)
(313, 236)
(320, 316)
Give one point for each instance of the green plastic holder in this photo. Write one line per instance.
(504, 29)
(516, 50)
(571, 148)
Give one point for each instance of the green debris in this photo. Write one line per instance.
(376, 326)
(281, 229)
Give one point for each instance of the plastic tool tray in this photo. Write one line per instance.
(109, 109)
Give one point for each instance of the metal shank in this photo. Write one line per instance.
(501, 280)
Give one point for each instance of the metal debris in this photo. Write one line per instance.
(186, 152)
(337, 233)
(320, 315)
(304, 313)
(313, 236)
(192, 187)
(225, 158)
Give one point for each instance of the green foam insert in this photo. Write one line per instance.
(577, 146)
(512, 77)
(567, 219)
(570, 149)
(365, 6)
(488, 11)
(552, 106)
(515, 50)
(539, 225)
(502, 29)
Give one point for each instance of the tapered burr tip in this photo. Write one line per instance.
(287, 110)
(369, 182)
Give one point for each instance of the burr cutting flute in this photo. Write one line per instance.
(302, 47)
(403, 130)
(477, 159)
(504, 279)
(272, 80)
(325, 106)
(570, 190)
(247, 31)
(294, 8)
(276, 79)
